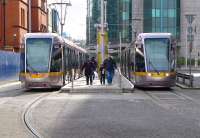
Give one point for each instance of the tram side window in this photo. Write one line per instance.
(140, 64)
(56, 63)
(66, 57)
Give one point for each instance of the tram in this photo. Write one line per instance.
(150, 61)
(49, 61)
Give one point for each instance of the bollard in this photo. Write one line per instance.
(120, 78)
(72, 79)
(191, 81)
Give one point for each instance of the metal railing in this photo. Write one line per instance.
(181, 78)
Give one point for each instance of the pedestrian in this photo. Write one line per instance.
(110, 66)
(102, 74)
(88, 67)
(94, 62)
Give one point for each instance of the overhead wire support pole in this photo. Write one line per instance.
(4, 22)
(120, 60)
(102, 30)
(61, 18)
(29, 16)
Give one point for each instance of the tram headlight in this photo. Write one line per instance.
(167, 74)
(149, 74)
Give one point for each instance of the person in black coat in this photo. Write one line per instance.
(89, 71)
(102, 74)
(94, 62)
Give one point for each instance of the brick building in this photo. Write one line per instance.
(14, 21)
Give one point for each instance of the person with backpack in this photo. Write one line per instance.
(110, 66)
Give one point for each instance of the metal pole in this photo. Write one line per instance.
(190, 71)
(88, 21)
(105, 4)
(102, 29)
(186, 51)
(72, 80)
(120, 60)
(4, 20)
(29, 16)
(190, 59)
(61, 18)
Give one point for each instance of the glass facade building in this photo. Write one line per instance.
(162, 16)
(119, 13)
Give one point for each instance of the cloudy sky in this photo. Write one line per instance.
(76, 19)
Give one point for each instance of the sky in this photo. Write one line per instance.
(75, 25)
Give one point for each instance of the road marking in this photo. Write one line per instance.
(4, 100)
(10, 84)
(188, 97)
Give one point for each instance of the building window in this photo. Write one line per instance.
(22, 17)
(43, 5)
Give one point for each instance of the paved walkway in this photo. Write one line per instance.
(80, 85)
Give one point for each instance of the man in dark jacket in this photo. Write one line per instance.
(110, 66)
(94, 62)
(89, 71)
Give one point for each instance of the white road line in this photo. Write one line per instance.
(10, 84)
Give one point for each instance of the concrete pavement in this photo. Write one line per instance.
(120, 84)
(142, 114)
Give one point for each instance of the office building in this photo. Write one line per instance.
(118, 18)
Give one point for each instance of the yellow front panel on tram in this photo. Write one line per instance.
(41, 75)
(154, 74)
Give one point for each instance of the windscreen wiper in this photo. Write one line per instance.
(31, 69)
(154, 68)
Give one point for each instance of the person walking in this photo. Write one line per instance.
(110, 66)
(102, 74)
(89, 71)
(94, 62)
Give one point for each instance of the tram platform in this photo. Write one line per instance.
(120, 84)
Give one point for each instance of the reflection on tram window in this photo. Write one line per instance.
(157, 52)
(56, 63)
(38, 53)
(140, 64)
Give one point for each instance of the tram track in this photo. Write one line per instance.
(25, 115)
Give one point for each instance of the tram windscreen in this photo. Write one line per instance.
(157, 54)
(38, 54)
